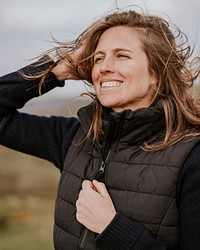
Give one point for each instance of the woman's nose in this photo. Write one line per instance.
(107, 65)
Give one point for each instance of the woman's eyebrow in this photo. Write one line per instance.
(123, 49)
(98, 52)
(115, 50)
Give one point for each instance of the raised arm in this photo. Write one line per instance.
(39, 136)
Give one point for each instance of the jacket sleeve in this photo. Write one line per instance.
(188, 193)
(44, 137)
(125, 234)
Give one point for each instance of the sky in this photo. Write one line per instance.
(26, 26)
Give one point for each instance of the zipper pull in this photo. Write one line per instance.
(102, 168)
(101, 171)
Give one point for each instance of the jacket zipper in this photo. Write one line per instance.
(100, 172)
(85, 233)
(102, 167)
(97, 176)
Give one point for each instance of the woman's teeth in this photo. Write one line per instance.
(110, 84)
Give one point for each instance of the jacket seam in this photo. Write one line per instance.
(140, 192)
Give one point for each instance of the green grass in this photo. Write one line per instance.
(27, 194)
(33, 235)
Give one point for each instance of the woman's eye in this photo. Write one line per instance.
(98, 59)
(122, 56)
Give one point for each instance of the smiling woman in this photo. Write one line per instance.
(129, 162)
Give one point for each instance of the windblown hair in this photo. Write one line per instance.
(168, 59)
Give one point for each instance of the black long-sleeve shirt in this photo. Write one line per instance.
(49, 138)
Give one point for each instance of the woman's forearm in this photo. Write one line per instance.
(15, 90)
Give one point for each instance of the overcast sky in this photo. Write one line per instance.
(26, 25)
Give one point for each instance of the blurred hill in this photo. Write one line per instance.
(28, 186)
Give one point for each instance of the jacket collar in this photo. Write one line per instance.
(134, 127)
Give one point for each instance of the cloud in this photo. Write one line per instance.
(48, 13)
(24, 25)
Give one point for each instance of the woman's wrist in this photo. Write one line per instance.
(58, 72)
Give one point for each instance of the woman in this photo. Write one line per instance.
(130, 162)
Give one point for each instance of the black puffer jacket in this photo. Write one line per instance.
(141, 184)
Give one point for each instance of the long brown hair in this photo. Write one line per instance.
(168, 56)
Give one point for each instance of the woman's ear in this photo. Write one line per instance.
(153, 78)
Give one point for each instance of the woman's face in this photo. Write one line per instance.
(120, 73)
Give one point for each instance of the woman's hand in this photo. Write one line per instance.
(95, 209)
(64, 68)
(62, 71)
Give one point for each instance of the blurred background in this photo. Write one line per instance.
(27, 184)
